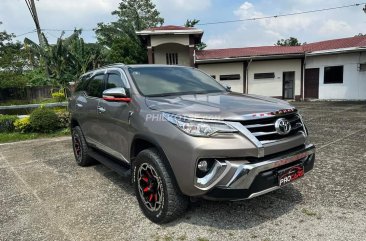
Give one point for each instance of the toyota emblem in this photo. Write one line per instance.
(283, 126)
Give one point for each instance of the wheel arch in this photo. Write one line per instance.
(142, 142)
(73, 123)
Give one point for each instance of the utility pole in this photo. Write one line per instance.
(33, 11)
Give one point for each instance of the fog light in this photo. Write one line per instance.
(202, 166)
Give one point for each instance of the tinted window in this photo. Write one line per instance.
(81, 86)
(114, 81)
(230, 77)
(155, 81)
(95, 86)
(264, 75)
(333, 75)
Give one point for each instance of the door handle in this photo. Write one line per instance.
(101, 109)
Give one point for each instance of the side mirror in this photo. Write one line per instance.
(116, 95)
(228, 87)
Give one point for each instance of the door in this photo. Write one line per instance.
(311, 83)
(288, 91)
(87, 105)
(114, 117)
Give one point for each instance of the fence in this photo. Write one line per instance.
(27, 93)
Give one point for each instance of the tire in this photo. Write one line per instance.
(156, 190)
(80, 148)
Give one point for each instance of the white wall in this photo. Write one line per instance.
(166, 39)
(354, 82)
(226, 69)
(182, 51)
(273, 87)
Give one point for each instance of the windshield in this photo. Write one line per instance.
(164, 81)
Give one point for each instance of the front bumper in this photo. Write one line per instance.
(233, 180)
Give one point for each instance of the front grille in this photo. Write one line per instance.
(264, 129)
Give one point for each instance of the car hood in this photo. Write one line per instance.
(221, 106)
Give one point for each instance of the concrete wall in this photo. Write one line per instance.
(273, 87)
(182, 51)
(157, 40)
(226, 69)
(354, 82)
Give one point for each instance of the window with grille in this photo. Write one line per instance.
(362, 67)
(172, 58)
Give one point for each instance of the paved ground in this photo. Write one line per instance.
(45, 196)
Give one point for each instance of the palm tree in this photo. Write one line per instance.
(67, 59)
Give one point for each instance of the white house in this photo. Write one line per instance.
(332, 69)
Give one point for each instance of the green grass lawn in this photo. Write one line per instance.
(16, 136)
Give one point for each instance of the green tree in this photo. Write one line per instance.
(191, 23)
(67, 59)
(288, 42)
(120, 36)
(12, 62)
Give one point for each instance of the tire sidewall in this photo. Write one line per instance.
(84, 159)
(76, 132)
(155, 216)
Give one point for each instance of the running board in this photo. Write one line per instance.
(114, 165)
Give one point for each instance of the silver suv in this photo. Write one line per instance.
(180, 134)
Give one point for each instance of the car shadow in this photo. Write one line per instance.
(242, 214)
(229, 215)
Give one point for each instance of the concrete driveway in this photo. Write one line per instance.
(44, 195)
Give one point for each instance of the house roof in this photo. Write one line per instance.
(262, 51)
(170, 29)
(247, 52)
(343, 43)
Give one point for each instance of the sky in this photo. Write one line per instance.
(85, 14)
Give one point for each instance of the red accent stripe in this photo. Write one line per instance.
(150, 197)
(145, 179)
(146, 189)
(117, 99)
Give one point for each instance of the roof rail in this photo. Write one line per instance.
(109, 65)
(115, 64)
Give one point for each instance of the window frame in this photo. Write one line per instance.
(332, 82)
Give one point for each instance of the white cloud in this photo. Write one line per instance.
(216, 42)
(332, 26)
(279, 24)
(306, 27)
(183, 5)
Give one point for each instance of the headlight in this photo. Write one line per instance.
(196, 127)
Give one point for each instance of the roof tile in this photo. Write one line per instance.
(358, 41)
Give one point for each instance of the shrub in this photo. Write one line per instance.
(23, 125)
(44, 120)
(59, 96)
(63, 118)
(7, 123)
